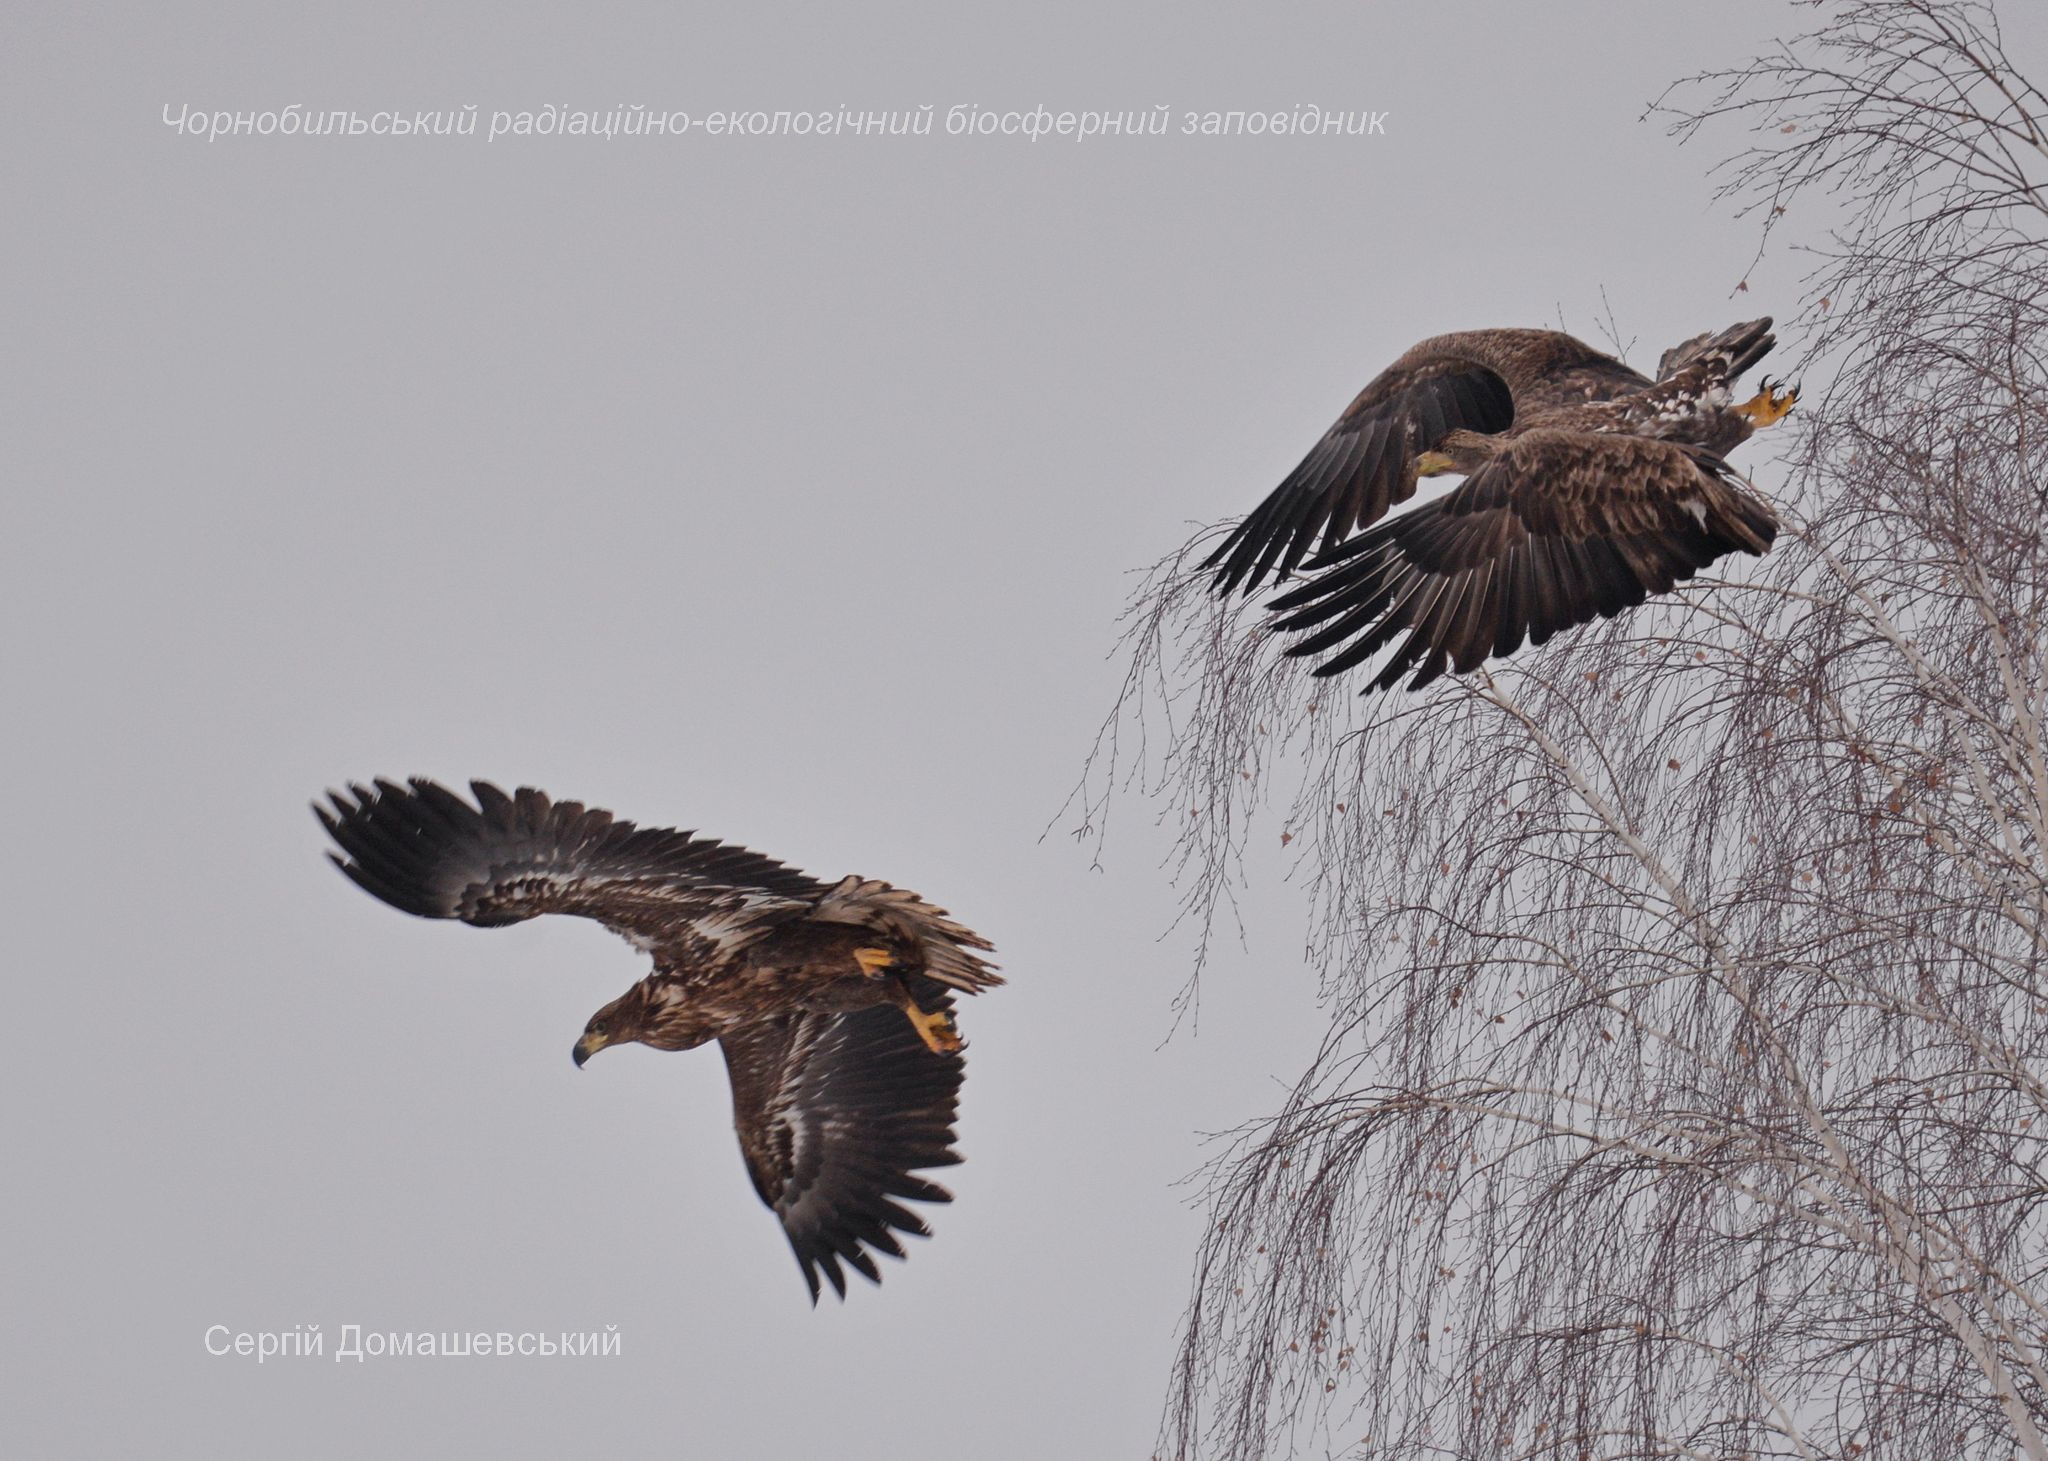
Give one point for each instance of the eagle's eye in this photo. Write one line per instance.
(596, 1028)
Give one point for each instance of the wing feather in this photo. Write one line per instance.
(1365, 462)
(1559, 528)
(836, 1113)
(423, 849)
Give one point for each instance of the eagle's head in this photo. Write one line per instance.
(652, 1012)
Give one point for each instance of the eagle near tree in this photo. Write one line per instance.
(1587, 488)
(832, 1002)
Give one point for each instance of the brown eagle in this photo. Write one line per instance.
(832, 1002)
(1587, 488)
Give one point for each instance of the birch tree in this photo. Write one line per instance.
(1688, 1009)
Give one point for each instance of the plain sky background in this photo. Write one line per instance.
(784, 488)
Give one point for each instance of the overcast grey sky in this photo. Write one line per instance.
(782, 487)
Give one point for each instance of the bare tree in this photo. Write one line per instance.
(1689, 1006)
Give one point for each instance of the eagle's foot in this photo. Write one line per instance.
(936, 1029)
(874, 962)
(1770, 405)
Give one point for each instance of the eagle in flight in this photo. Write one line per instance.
(832, 1002)
(1587, 488)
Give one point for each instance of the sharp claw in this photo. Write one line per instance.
(939, 1033)
(936, 1028)
(1770, 404)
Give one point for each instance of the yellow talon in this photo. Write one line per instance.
(1770, 405)
(935, 1029)
(874, 961)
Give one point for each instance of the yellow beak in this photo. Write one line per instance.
(588, 1046)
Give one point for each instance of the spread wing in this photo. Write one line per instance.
(423, 849)
(1364, 463)
(835, 1112)
(1559, 527)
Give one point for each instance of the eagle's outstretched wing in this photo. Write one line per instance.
(1559, 527)
(421, 848)
(1365, 462)
(834, 1113)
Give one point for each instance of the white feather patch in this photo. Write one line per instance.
(735, 923)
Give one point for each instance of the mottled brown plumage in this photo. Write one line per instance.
(1588, 487)
(832, 1003)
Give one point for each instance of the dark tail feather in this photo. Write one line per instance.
(1740, 345)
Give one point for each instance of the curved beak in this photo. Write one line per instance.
(588, 1046)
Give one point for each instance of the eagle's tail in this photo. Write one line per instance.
(948, 948)
(1727, 354)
